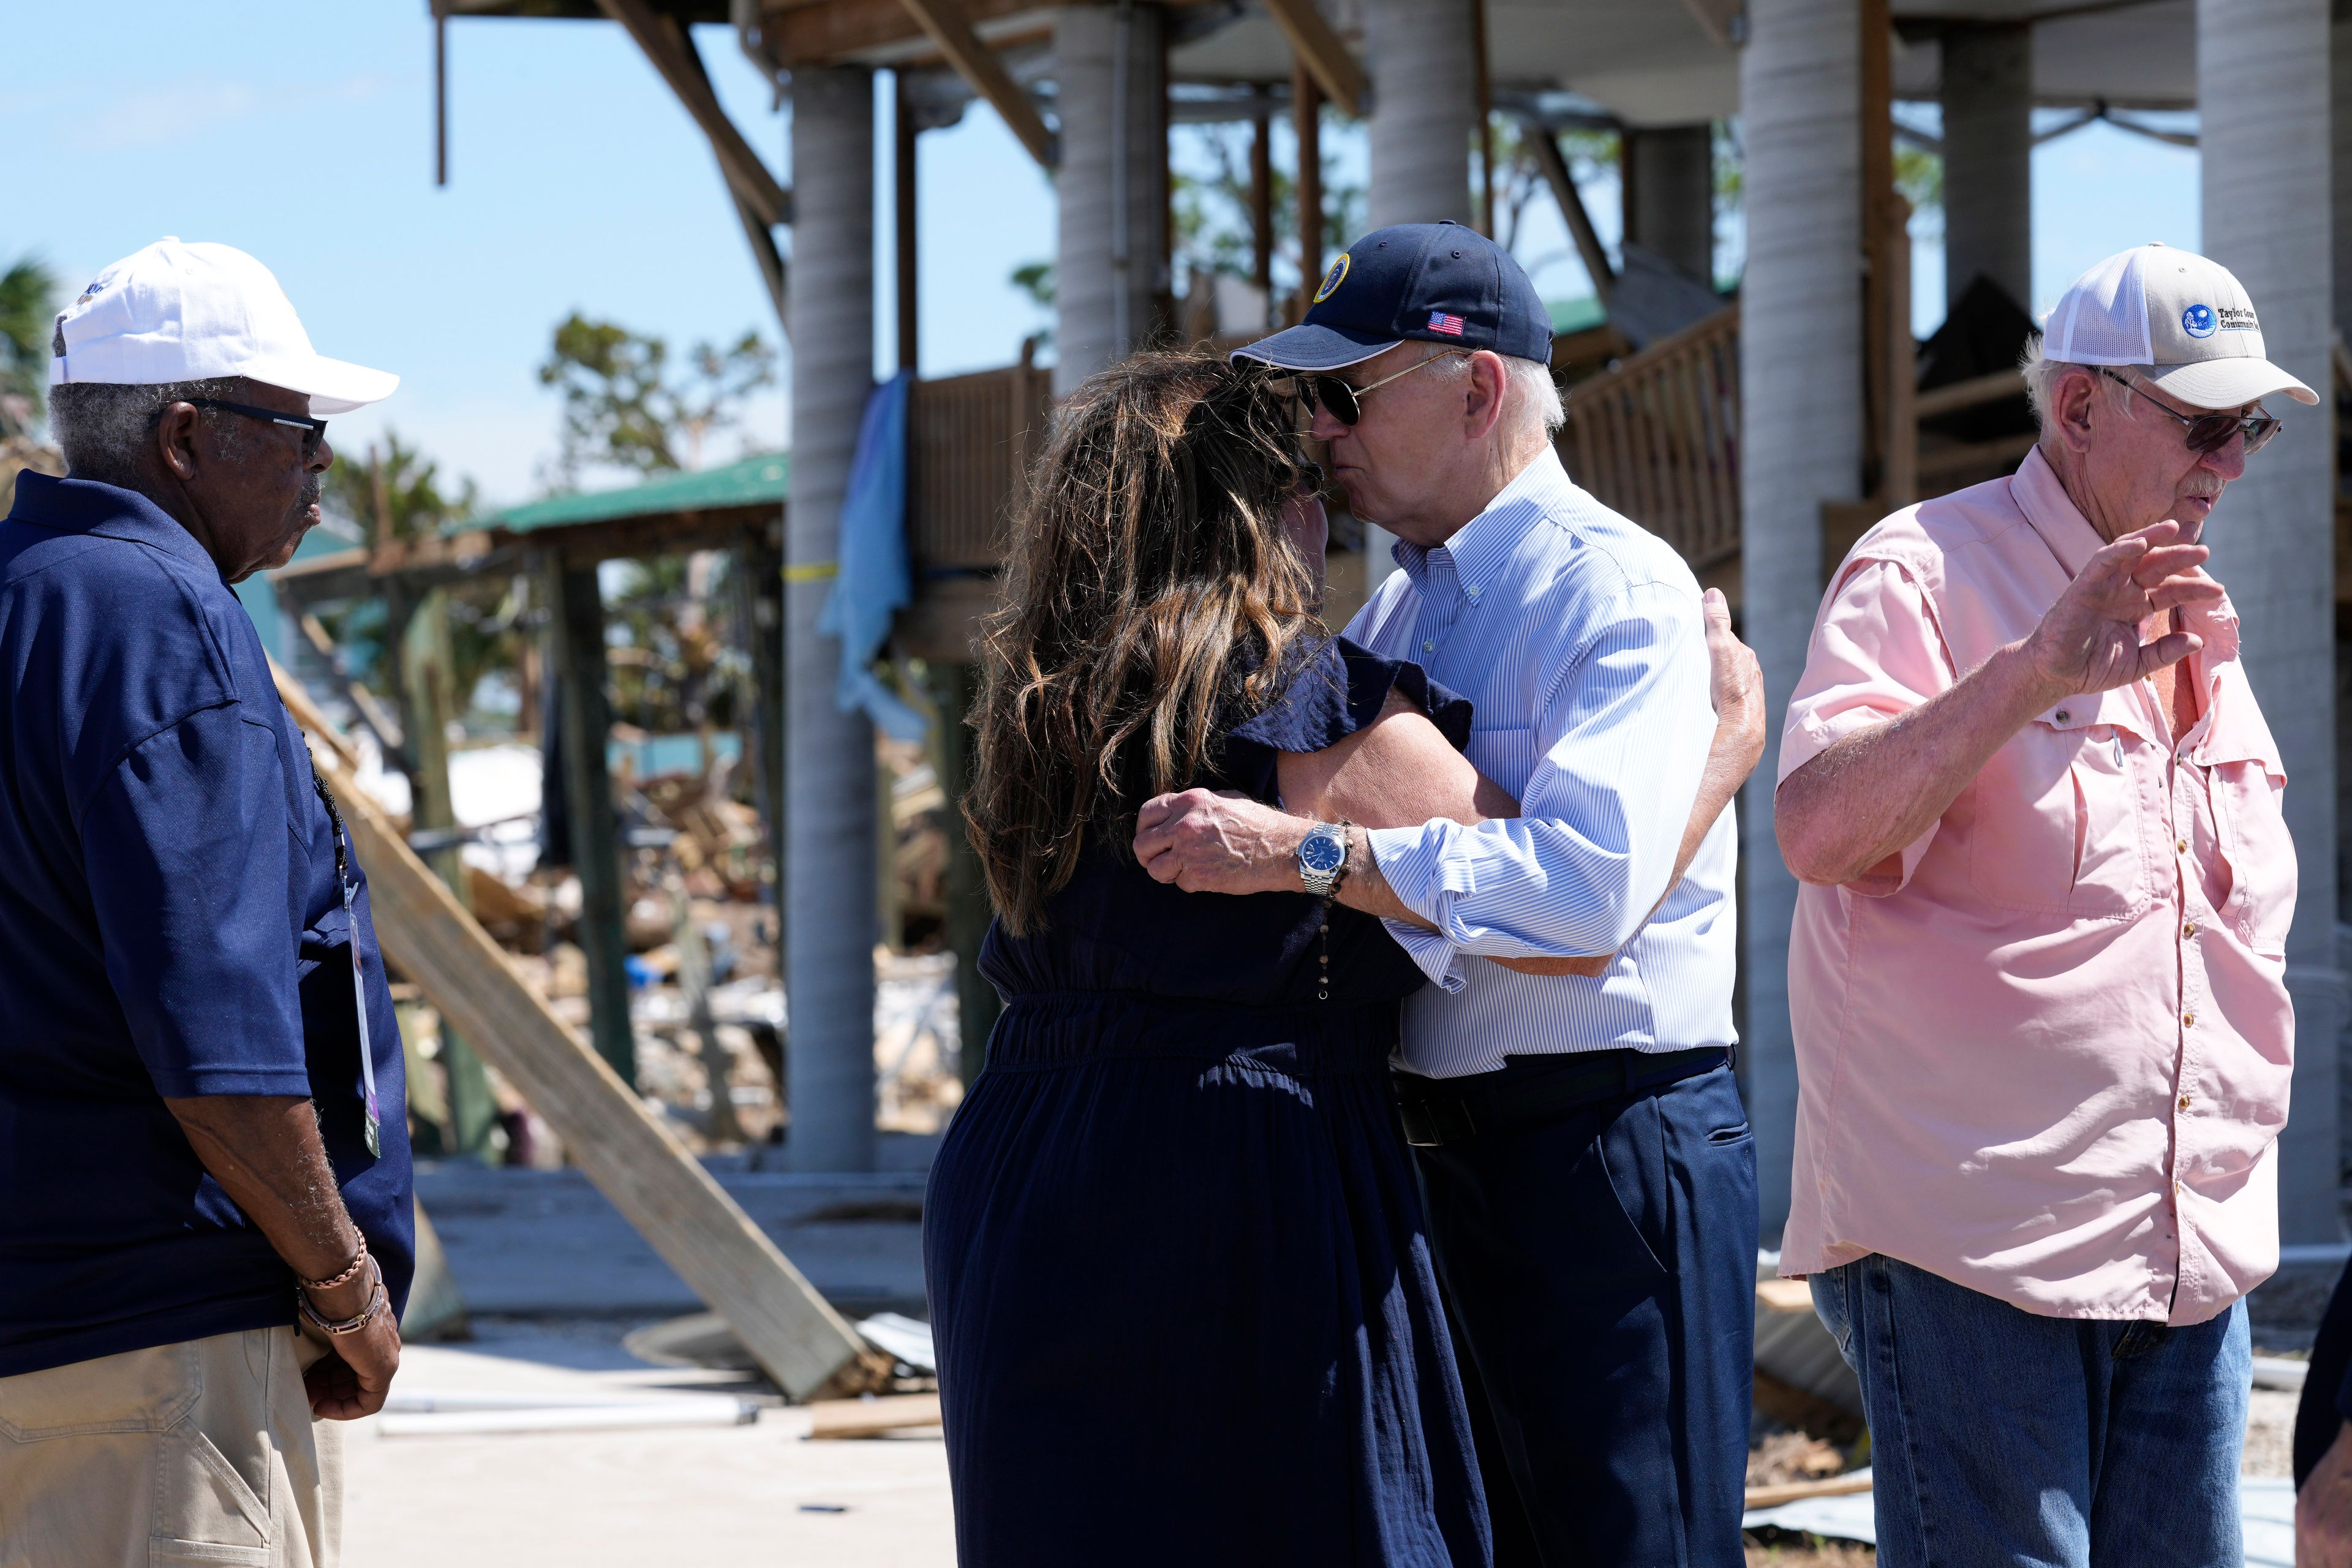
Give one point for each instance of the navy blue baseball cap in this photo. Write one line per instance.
(1437, 282)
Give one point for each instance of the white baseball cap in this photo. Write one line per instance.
(175, 312)
(2178, 312)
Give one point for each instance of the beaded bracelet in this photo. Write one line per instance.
(347, 1275)
(378, 1300)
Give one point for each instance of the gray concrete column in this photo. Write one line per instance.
(1800, 391)
(1669, 185)
(1989, 159)
(1111, 269)
(2263, 80)
(1425, 109)
(2339, 141)
(829, 817)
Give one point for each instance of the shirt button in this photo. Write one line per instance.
(1472, 592)
(2184, 1102)
(2188, 1020)
(2061, 715)
(1428, 645)
(2181, 845)
(2189, 930)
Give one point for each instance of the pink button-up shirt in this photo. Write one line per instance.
(2050, 1059)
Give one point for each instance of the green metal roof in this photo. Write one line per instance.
(755, 482)
(1576, 315)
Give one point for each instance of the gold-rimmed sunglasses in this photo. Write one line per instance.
(1345, 403)
(2210, 432)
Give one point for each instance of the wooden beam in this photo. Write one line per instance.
(872, 1417)
(1486, 118)
(672, 53)
(1324, 55)
(1572, 207)
(1973, 393)
(623, 1147)
(903, 211)
(1307, 121)
(974, 62)
(1262, 202)
(1725, 22)
(575, 659)
(371, 707)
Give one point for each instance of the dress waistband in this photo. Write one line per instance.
(1056, 1028)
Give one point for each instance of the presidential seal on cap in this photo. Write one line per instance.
(2180, 313)
(1438, 282)
(175, 312)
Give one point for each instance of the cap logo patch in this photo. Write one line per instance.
(1439, 321)
(2198, 321)
(1333, 278)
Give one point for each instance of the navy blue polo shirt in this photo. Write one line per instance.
(170, 924)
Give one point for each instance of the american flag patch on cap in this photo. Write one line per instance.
(1439, 321)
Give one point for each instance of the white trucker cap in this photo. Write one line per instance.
(2176, 310)
(175, 312)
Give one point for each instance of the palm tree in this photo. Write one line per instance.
(27, 310)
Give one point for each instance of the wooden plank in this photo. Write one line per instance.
(905, 275)
(1562, 181)
(626, 1150)
(1307, 121)
(666, 45)
(1796, 1491)
(1973, 393)
(1784, 1295)
(1320, 51)
(872, 1417)
(1723, 21)
(974, 62)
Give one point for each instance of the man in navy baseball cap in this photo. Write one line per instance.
(1565, 1082)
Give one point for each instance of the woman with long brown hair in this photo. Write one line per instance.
(1184, 1310)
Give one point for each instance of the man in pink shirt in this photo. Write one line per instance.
(2036, 976)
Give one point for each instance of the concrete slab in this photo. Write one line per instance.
(619, 1499)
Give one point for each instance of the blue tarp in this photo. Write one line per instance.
(874, 583)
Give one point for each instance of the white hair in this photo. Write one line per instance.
(1534, 397)
(103, 428)
(2043, 376)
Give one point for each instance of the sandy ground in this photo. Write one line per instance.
(760, 1493)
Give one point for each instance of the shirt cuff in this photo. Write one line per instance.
(193, 1083)
(1431, 953)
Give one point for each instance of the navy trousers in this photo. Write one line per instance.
(1599, 1270)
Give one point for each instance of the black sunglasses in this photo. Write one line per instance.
(1345, 403)
(314, 430)
(2212, 432)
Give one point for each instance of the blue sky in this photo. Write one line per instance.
(303, 133)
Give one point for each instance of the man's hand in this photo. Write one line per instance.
(1218, 841)
(2090, 639)
(352, 1379)
(2323, 1508)
(1737, 683)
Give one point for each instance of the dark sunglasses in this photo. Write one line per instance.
(1345, 403)
(314, 430)
(2212, 432)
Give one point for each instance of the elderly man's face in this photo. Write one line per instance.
(253, 486)
(2136, 465)
(1403, 453)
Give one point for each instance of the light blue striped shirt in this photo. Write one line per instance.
(1580, 639)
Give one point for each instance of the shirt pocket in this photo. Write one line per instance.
(2249, 807)
(2056, 826)
(1505, 756)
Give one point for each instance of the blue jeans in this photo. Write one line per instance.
(2002, 1437)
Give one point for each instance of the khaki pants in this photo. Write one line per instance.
(197, 1453)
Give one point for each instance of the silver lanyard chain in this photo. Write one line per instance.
(359, 977)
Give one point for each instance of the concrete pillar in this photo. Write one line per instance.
(2262, 81)
(1424, 107)
(2339, 139)
(1800, 389)
(1111, 269)
(1989, 159)
(829, 861)
(1669, 182)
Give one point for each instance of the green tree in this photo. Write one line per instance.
(626, 406)
(27, 315)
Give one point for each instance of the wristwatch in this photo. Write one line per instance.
(1323, 858)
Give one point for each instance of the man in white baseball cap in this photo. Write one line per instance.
(2037, 972)
(206, 1200)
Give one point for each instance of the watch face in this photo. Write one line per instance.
(1322, 853)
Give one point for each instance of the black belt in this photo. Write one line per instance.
(1438, 1111)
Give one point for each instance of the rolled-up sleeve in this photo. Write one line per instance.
(1621, 743)
(1876, 653)
(186, 846)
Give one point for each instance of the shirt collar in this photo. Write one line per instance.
(1481, 546)
(86, 506)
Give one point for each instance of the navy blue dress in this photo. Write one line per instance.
(1184, 1308)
